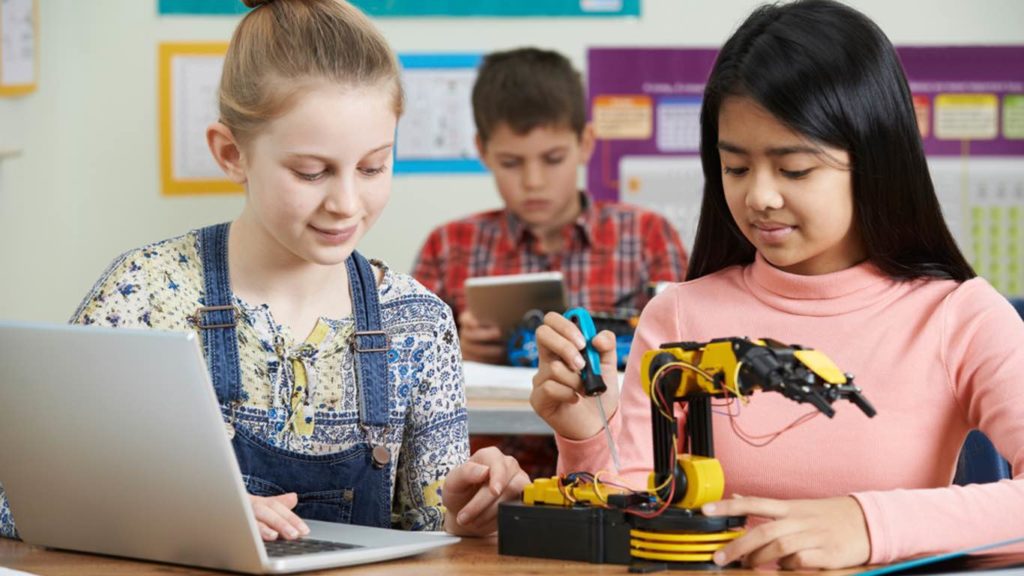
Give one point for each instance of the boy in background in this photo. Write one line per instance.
(532, 133)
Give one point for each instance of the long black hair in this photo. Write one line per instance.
(829, 73)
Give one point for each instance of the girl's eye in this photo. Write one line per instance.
(735, 171)
(796, 174)
(310, 177)
(374, 171)
(554, 161)
(510, 164)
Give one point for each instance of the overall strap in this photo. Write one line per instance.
(217, 318)
(370, 342)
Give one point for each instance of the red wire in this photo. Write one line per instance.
(749, 439)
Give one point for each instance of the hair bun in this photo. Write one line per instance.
(256, 3)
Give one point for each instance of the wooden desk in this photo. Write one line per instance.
(471, 556)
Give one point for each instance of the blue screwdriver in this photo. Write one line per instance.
(590, 374)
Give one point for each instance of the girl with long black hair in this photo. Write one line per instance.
(820, 226)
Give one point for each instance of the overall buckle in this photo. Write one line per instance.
(198, 317)
(387, 341)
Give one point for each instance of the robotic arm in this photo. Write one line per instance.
(695, 373)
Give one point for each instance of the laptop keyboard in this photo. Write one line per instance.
(279, 548)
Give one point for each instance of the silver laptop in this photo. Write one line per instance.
(112, 442)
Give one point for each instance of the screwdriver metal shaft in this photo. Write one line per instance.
(608, 435)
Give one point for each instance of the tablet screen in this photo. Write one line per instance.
(504, 301)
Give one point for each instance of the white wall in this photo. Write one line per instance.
(86, 185)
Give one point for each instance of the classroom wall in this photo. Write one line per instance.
(86, 185)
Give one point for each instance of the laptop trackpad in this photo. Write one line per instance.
(371, 537)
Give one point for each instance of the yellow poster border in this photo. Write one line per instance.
(23, 89)
(171, 186)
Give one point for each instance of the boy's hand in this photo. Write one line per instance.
(481, 342)
(473, 491)
(557, 387)
(827, 533)
(275, 517)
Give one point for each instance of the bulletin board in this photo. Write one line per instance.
(969, 100)
(19, 46)
(189, 76)
(447, 8)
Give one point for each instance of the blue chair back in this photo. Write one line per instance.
(979, 462)
(1018, 305)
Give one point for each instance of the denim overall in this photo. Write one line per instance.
(350, 486)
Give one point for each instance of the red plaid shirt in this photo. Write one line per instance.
(609, 256)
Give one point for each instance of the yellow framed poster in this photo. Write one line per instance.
(189, 76)
(19, 46)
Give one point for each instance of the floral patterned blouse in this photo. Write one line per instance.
(159, 286)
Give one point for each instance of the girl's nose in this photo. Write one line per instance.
(341, 196)
(763, 193)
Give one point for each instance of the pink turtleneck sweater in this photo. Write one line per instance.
(936, 358)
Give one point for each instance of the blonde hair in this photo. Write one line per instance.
(283, 47)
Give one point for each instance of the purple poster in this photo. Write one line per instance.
(969, 99)
(645, 104)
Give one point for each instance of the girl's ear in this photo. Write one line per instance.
(226, 151)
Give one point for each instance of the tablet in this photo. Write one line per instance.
(958, 562)
(504, 300)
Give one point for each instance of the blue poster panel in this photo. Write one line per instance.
(436, 134)
(414, 8)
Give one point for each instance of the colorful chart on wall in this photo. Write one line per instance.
(645, 107)
(450, 8)
(970, 108)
